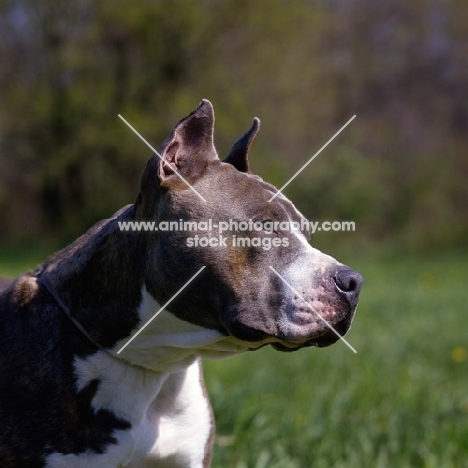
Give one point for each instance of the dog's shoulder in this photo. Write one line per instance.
(37, 352)
(18, 307)
(20, 291)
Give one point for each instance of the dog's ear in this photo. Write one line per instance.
(188, 150)
(190, 147)
(239, 154)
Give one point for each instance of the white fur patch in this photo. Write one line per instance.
(184, 421)
(130, 450)
(168, 344)
(125, 390)
(169, 414)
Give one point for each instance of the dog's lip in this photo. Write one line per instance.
(290, 345)
(326, 338)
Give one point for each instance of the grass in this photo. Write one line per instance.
(14, 261)
(401, 401)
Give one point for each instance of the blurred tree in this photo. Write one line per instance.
(305, 67)
(72, 67)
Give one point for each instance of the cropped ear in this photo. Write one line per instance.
(190, 147)
(188, 150)
(239, 154)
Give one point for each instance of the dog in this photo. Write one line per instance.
(75, 393)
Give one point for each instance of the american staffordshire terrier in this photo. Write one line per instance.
(70, 399)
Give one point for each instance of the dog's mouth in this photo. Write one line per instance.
(329, 336)
(288, 334)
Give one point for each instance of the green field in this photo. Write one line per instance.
(401, 401)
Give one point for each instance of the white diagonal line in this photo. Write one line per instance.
(162, 159)
(312, 158)
(310, 307)
(161, 309)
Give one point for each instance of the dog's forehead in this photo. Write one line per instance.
(229, 194)
(264, 200)
(242, 195)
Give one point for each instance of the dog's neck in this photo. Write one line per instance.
(170, 344)
(100, 277)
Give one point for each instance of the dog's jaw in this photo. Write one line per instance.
(169, 344)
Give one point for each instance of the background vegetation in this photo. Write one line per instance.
(304, 67)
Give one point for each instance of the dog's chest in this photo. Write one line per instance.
(127, 393)
(168, 413)
(129, 450)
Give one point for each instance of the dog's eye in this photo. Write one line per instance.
(267, 225)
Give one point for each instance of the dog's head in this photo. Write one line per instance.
(263, 283)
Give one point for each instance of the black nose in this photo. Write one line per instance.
(348, 283)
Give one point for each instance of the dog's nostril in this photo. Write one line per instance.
(348, 280)
(348, 283)
(352, 285)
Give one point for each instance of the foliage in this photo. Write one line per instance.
(303, 67)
